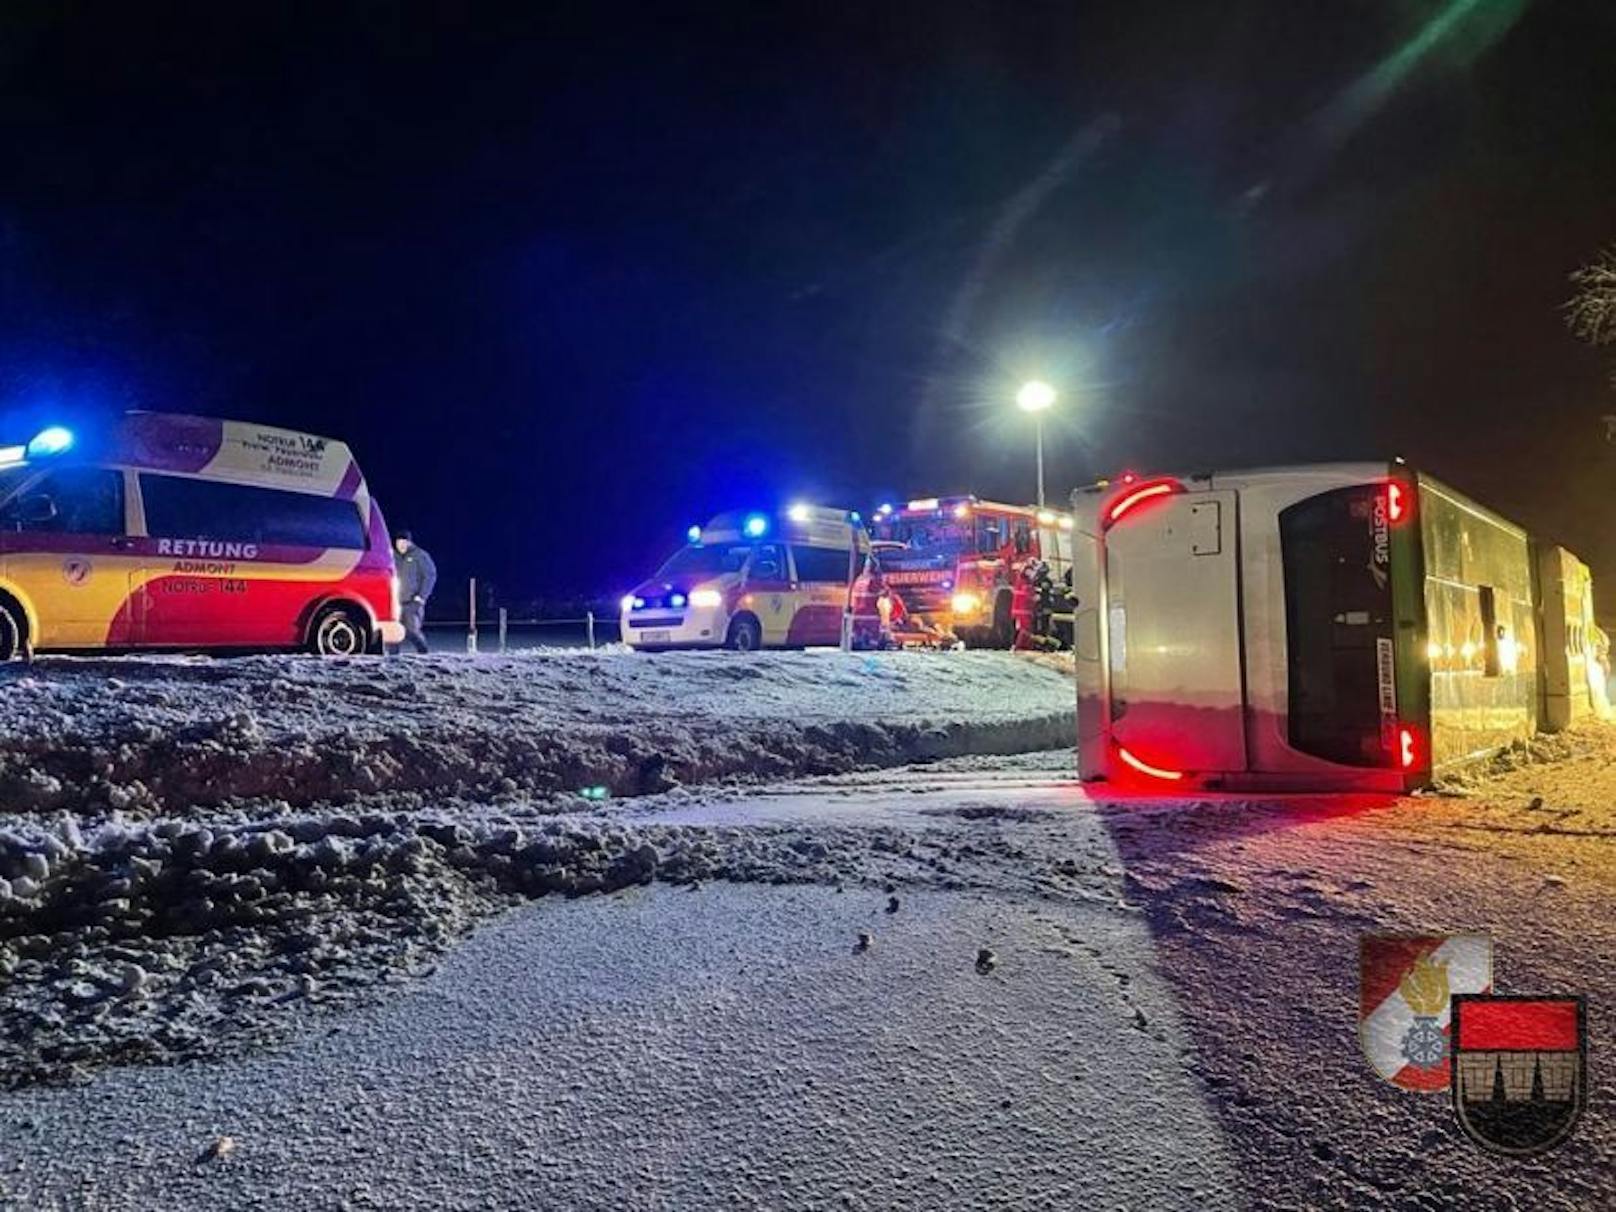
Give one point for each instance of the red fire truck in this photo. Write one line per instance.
(955, 560)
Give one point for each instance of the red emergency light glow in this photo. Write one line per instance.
(1396, 511)
(1405, 747)
(1144, 767)
(1145, 492)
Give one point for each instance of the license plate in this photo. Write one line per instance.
(656, 637)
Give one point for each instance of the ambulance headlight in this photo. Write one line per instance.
(630, 602)
(966, 603)
(676, 600)
(706, 599)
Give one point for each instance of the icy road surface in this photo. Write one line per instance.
(675, 1049)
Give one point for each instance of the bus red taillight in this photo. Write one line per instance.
(1396, 504)
(1144, 767)
(1407, 748)
(1136, 496)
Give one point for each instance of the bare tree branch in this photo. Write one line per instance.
(1591, 310)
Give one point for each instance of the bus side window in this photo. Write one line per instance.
(72, 500)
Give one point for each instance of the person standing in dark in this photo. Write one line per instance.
(417, 577)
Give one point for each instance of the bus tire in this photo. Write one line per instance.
(13, 631)
(745, 634)
(339, 631)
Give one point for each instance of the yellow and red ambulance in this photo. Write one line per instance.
(754, 580)
(180, 532)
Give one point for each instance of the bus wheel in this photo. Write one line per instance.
(338, 631)
(745, 634)
(11, 645)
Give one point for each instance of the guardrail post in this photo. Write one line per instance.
(589, 626)
(471, 627)
(503, 621)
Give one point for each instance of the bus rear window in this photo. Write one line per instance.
(1339, 626)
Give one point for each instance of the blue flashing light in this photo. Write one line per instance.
(676, 600)
(756, 526)
(855, 517)
(694, 534)
(884, 510)
(51, 441)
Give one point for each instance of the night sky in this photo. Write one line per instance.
(571, 280)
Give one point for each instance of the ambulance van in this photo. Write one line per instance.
(752, 580)
(180, 532)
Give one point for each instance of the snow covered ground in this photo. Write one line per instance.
(162, 735)
(672, 1049)
(198, 852)
(1166, 1018)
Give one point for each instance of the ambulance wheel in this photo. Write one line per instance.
(745, 635)
(339, 631)
(11, 633)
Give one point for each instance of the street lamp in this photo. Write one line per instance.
(1037, 398)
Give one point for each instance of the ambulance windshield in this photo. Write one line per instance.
(12, 478)
(705, 561)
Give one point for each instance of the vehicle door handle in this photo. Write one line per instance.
(124, 543)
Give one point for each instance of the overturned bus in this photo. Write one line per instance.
(1331, 626)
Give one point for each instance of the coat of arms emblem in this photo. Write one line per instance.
(1520, 1072)
(1405, 983)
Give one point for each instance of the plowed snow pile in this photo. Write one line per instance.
(162, 735)
(193, 852)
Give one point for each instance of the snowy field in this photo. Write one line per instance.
(1064, 999)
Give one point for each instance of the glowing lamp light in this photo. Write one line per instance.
(962, 510)
(694, 534)
(965, 603)
(51, 441)
(630, 602)
(706, 599)
(798, 513)
(1045, 518)
(884, 510)
(855, 517)
(756, 526)
(12, 454)
(676, 600)
(1035, 396)
(1066, 523)
(924, 504)
(1144, 767)
(596, 792)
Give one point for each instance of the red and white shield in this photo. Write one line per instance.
(1405, 983)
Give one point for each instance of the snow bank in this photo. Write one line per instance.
(154, 735)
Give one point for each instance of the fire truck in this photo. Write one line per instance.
(955, 561)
